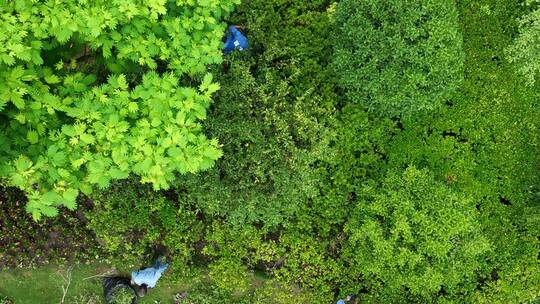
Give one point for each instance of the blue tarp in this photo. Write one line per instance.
(235, 40)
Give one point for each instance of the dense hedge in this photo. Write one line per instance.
(484, 142)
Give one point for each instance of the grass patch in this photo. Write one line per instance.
(44, 285)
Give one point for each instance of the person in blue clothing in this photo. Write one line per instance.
(235, 40)
(148, 277)
(349, 299)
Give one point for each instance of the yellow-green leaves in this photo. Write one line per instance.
(524, 51)
(32, 137)
(96, 110)
(207, 86)
(415, 234)
(70, 196)
(23, 164)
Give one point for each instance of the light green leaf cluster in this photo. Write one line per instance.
(525, 51)
(186, 34)
(82, 103)
(417, 236)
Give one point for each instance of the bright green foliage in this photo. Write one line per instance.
(185, 34)
(77, 113)
(525, 51)
(398, 57)
(412, 238)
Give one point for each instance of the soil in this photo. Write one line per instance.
(24, 242)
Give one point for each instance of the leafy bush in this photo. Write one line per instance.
(398, 57)
(524, 51)
(130, 219)
(83, 103)
(413, 238)
(271, 116)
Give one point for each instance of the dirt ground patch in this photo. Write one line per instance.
(24, 242)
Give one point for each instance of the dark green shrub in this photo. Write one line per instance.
(272, 115)
(396, 57)
(275, 116)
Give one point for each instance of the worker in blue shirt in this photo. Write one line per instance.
(235, 40)
(148, 277)
(349, 299)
